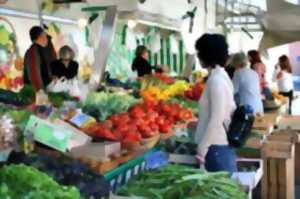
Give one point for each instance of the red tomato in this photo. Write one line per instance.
(106, 134)
(132, 137)
(154, 126)
(165, 128)
(160, 120)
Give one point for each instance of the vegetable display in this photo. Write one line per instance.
(67, 172)
(195, 92)
(103, 105)
(157, 80)
(143, 120)
(20, 181)
(180, 182)
(186, 103)
(165, 92)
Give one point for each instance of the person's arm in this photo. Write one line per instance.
(236, 85)
(217, 102)
(236, 82)
(33, 65)
(275, 73)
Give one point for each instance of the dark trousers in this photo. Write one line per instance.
(290, 95)
(220, 158)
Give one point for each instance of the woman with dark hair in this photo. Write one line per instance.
(285, 80)
(215, 106)
(257, 65)
(65, 66)
(141, 62)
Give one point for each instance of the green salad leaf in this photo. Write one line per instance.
(24, 182)
(102, 105)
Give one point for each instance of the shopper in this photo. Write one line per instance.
(65, 66)
(257, 65)
(141, 63)
(215, 106)
(36, 68)
(246, 84)
(285, 80)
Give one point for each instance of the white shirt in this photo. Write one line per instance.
(215, 109)
(285, 83)
(246, 85)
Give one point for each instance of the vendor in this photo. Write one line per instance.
(65, 66)
(215, 106)
(36, 68)
(246, 84)
(141, 62)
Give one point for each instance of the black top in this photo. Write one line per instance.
(36, 67)
(142, 66)
(59, 69)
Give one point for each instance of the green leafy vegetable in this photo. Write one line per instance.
(24, 182)
(180, 182)
(102, 105)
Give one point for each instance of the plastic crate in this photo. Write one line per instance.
(125, 172)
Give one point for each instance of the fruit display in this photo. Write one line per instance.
(20, 181)
(177, 182)
(195, 92)
(143, 120)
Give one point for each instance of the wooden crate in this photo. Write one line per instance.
(278, 179)
(293, 136)
(289, 122)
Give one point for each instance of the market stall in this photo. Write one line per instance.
(109, 134)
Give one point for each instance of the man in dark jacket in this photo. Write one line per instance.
(36, 66)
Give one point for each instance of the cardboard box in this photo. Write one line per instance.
(59, 136)
(96, 151)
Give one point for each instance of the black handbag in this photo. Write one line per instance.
(240, 126)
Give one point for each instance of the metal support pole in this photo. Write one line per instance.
(104, 46)
(40, 12)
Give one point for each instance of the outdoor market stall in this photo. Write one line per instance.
(108, 135)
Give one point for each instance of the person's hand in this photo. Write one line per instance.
(200, 159)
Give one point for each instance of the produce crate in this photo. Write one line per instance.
(249, 179)
(289, 122)
(292, 136)
(278, 178)
(125, 172)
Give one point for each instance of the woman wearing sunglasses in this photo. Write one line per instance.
(65, 66)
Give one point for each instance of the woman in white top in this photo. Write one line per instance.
(285, 80)
(215, 106)
(246, 84)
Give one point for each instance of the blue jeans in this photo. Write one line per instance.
(220, 158)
